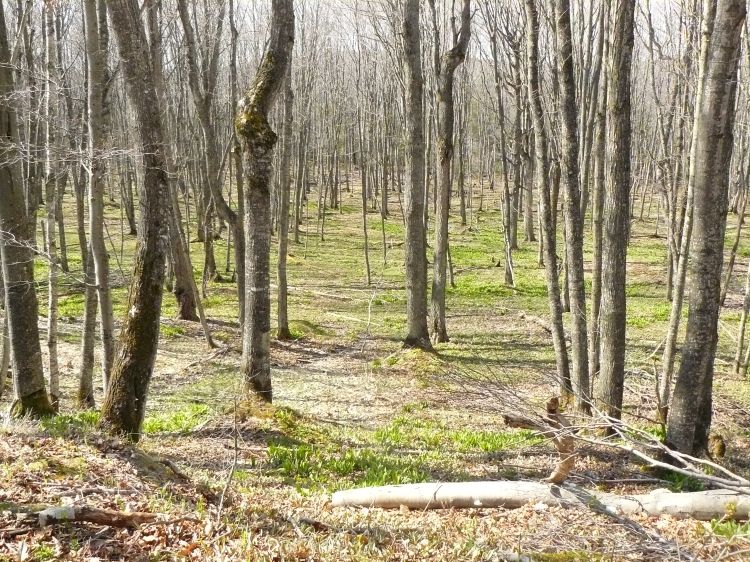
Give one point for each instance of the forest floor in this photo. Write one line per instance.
(352, 408)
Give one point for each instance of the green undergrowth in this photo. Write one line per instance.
(411, 448)
(181, 420)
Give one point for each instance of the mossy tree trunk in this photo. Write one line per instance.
(16, 245)
(258, 140)
(125, 402)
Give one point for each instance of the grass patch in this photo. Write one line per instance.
(177, 421)
(63, 424)
(171, 332)
(330, 467)
(407, 431)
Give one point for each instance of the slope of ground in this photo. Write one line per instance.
(354, 409)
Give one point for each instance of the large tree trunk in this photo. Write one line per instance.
(416, 234)
(97, 144)
(572, 201)
(689, 418)
(258, 141)
(446, 68)
(616, 215)
(125, 402)
(16, 243)
(541, 172)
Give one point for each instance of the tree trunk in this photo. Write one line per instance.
(703, 506)
(51, 200)
(616, 211)
(282, 312)
(572, 214)
(689, 418)
(258, 141)
(125, 402)
(542, 179)
(88, 338)
(16, 244)
(97, 144)
(416, 235)
(445, 69)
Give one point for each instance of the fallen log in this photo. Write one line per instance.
(109, 517)
(703, 506)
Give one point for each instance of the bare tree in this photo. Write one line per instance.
(416, 235)
(616, 211)
(445, 68)
(97, 137)
(572, 201)
(125, 402)
(542, 174)
(258, 141)
(282, 312)
(690, 414)
(21, 306)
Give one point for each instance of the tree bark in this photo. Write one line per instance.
(16, 244)
(282, 312)
(616, 211)
(51, 195)
(125, 401)
(703, 506)
(541, 172)
(689, 418)
(446, 65)
(97, 145)
(416, 234)
(258, 141)
(572, 202)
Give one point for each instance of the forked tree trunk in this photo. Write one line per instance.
(258, 141)
(125, 401)
(689, 418)
(446, 68)
(616, 211)
(416, 234)
(16, 243)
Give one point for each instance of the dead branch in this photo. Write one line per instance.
(84, 513)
